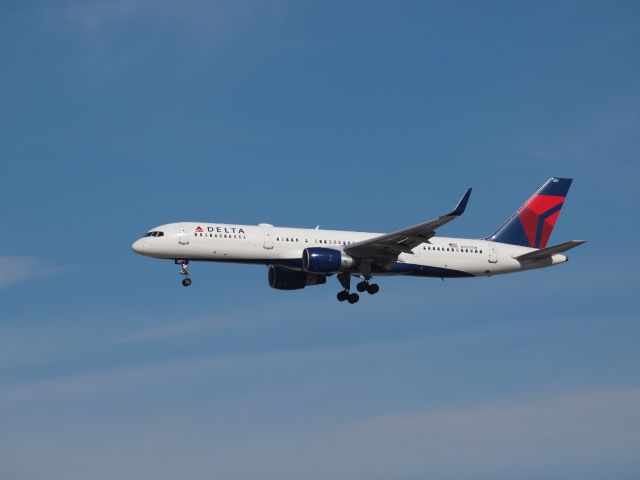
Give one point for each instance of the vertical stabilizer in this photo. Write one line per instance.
(531, 225)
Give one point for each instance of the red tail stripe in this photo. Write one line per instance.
(549, 223)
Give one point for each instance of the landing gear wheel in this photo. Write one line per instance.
(342, 295)
(373, 289)
(353, 298)
(184, 271)
(362, 286)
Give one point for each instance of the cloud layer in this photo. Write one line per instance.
(15, 270)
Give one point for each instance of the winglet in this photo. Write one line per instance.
(462, 204)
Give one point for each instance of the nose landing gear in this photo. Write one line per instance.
(184, 271)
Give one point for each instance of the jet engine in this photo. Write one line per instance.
(325, 260)
(282, 278)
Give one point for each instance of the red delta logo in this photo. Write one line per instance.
(538, 218)
(199, 229)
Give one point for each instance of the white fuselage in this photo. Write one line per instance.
(268, 245)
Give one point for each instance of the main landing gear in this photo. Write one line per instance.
(345, 281)
(184, 271)
(370, 288)
(364, 286)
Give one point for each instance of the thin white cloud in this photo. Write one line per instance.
(172, 330)
(73, 386)
(569, 433)
(506, 420)
(14, 270)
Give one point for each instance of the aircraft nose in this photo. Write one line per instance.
(138, 246)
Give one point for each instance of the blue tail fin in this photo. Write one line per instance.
(533, 222)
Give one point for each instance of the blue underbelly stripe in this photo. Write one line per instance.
(408, 269)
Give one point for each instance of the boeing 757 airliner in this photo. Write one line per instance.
(300, 257)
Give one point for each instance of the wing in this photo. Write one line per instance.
(384, 249)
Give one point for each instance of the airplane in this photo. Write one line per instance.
(300, 257)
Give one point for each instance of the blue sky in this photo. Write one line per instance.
(120, 115)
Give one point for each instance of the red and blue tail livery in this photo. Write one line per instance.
(532, 224)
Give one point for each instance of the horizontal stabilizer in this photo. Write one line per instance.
(549, 251)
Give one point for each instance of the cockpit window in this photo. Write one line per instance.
(154, 234)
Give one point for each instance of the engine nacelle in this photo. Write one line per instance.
(282, 278)
(325, 260)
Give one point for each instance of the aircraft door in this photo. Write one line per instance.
(183, 235)
(268, 241)
(493, 256)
